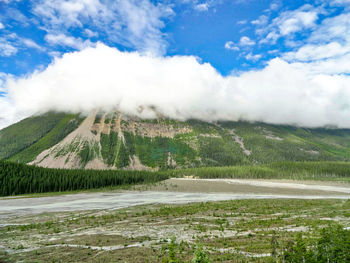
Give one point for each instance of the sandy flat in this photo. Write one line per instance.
(245, 186)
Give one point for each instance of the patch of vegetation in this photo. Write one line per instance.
(110, 146)
(273, 143)
(66, 125)
(154, 152)
(219, 152)
(333, 245)
(23, 179)
(116, 150)
(273, 230)
(280, 170)
(98, 117)
(25, 133)
(88, 152)
(109, 117)
(73, 147)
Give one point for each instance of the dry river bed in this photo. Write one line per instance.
(234, 219)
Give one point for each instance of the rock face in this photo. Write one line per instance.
(68, 152)
(113, 140)
(106, 141)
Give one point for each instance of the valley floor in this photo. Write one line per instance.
(235, 221)
(253, 186)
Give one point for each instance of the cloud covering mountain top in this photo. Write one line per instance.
(179, 87)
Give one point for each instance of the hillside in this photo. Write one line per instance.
(113, 140)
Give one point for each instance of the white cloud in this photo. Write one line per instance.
(327, 50)
(90, 33)
(331, 29)
(14, 14)
(54, 53)
(288, 23)
(8, 113)
(274, 6)
(243, 42)
(339, 2)
(3, 77)
(246, 41)
(202, 7)
(299, 21)
(11, 43)
(31, 44)
(6, 48)
(252, 57)
(335, 65)
(68, 41)
(317, 52)
(231, 45)
(242, 22)
(69, 13)
(180, 87)
(2, 26)
(133, 23)
(262, 20)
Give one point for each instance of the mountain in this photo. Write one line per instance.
(115, 140)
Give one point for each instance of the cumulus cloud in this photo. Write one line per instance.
(274, 6)
(202, 7)
(132, 23)
(68, 41)
(252, 57)
(288, 23)
(327, 49)
(262, 20)
(242, 22)
(7, 49)
(11, 43)
(231, 45)
(339, 2)
(31, 44)
(246, 41)
(179, 87)
(317, 52)
(90, 33)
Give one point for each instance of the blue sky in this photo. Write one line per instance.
(274, 54)
(33, 32)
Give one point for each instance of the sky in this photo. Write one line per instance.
(282, 62)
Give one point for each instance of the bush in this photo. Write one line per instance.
(200, 255)
(332, 246)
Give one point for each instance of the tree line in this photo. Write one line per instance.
(25, 179)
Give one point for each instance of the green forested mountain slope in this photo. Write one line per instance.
(113, 140)
(26, 139)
